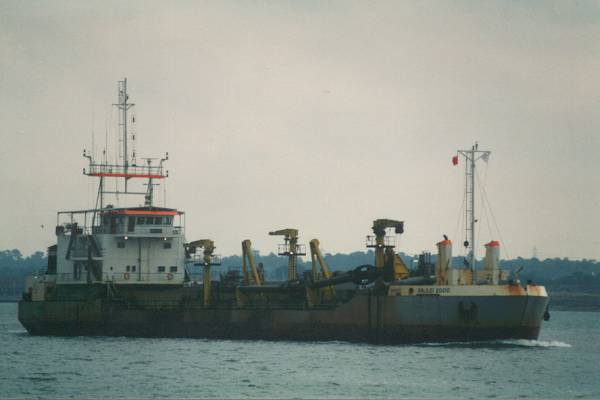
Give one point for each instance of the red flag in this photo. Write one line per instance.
(455, 160)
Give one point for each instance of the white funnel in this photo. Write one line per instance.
(492, 259)
(444, 262)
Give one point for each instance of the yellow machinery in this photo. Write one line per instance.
(317, 258)
(290, 248)
(257, 275)
(384, 246)
(209, 248)
(247, 255)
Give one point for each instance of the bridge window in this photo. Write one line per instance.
(167, 245)
(173, 269)
(128, 268)
(141, 220)
(131, 224)
(161, 268)
(121, 245)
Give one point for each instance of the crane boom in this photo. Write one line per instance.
(317, 257)
(380, 245)
(290, 248)
(288, 233)
(247, 255)
(384, 247)
(209, 248)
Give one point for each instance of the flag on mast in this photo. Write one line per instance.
(455, 160)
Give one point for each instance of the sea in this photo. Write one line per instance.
(563, 364)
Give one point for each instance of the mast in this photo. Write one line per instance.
(121, 169)
(470, 209)
(123, 106)
(471, 156)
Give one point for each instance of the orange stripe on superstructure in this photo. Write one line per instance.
(137, 212)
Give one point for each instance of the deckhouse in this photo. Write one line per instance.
(123, 244)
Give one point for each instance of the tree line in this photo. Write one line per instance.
(14, 265)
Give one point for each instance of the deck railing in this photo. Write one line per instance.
(131, 171)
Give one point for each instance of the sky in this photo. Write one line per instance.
(315, 115)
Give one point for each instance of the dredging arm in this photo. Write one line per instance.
(247, 255)
(315, 296)
(317, 257)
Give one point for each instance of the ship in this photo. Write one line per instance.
(130, 271)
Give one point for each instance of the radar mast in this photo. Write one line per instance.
(125, 166)
(471, 157)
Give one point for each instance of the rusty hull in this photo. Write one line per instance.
(506, 312)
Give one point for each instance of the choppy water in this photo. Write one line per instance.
(562, 364)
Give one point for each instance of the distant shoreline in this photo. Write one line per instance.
(569, 301)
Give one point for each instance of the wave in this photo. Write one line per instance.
(506, 343)
(535, 343)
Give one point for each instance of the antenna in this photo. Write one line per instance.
(123, 107)
(471, 157)
(122, 169)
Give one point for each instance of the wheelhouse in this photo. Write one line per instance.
(121, 245)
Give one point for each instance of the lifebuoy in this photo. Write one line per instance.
(126, 276)
(170, 276)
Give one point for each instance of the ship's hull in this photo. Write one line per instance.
(364, 318)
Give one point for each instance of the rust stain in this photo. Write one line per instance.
(516, 290)
(534, 290)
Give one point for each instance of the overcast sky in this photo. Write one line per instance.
(317, 115)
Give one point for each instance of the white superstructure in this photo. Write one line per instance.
(140, 244)
(123, 245)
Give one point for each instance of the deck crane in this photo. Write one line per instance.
(209, 248)
(317, 258)
(384, 246)
(247, 255)
(290, 248)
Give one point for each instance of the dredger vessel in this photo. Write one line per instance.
(129, 271)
